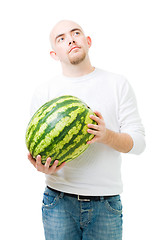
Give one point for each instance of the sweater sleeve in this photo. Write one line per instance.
(129, 119)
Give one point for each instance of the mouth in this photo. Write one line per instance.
(75, 47)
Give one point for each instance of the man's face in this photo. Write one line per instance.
(69, 42)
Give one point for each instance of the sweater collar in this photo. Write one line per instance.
(81, 78)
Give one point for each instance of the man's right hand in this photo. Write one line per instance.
(45, 168)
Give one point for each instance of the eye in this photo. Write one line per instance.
(76, 33)
(61, 39)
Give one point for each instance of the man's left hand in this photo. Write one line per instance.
(98, 130)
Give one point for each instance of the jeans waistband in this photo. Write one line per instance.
(83, 197)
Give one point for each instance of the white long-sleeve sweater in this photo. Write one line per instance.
(97, 171)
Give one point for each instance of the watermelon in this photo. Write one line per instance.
(58, 129)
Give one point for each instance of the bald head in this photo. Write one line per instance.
(60, 29)
(69, 43)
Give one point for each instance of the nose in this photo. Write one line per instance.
(70, 42)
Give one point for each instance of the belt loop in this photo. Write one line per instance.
(102, 198)
(61, 195)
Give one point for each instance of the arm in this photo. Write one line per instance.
(121, 142)
(131, 135)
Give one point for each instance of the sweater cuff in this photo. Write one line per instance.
(138, 143)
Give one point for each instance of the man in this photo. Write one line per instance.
(82, 197)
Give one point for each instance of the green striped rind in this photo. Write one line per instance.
(59, 129)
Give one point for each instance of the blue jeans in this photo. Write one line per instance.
(66, 218)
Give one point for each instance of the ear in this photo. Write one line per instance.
(54, 55)
(89, 41)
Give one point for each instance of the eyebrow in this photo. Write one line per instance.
(74, 29)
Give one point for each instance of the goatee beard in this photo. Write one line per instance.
(77, 60)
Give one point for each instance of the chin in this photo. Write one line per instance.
(77, 59)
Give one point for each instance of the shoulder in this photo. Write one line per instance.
(115, 79)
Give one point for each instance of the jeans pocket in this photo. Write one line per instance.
(114, 205)
(50, 199)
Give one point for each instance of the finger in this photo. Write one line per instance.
(54, 165)
(95, 118)
(31, 159)
(47, 163)
(52, 169)
(61, 166)
(38, 160)
(29, 155)
(92, 141)
(39, 164)
(96, 127)
(98, 114)
(94, 132)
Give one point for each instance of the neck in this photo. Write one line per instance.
(78, 70)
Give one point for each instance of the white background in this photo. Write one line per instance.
(126, 40)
